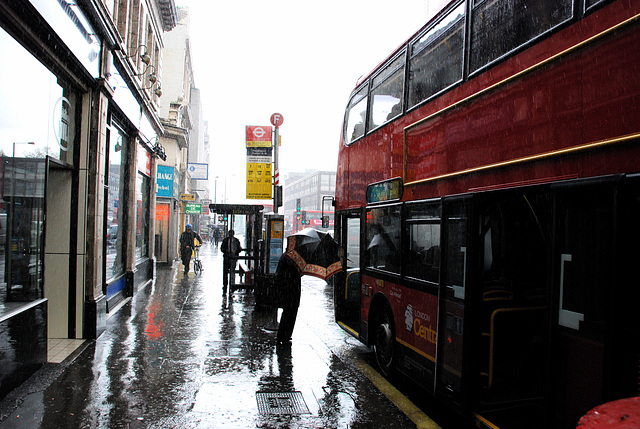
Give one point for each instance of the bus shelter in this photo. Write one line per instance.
(246, 220)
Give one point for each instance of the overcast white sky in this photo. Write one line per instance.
(252, 58)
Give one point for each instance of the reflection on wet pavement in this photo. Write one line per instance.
(183, 353)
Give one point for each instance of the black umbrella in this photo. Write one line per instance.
(314, 253)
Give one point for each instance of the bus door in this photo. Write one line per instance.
(509, 300)
(347, 283)
(584, 282)
(453, 292)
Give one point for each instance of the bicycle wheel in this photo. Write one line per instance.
(197, 267)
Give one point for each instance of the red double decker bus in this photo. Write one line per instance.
(488, 200)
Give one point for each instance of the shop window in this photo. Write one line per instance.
(41, 111)
(37, 120)
(142, 216)
(21, 230)
(118, 143)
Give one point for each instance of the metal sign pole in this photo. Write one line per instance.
(275, 169)
(276, 121)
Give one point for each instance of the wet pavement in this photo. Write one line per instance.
(182, 353)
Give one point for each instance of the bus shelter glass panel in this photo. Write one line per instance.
(383, 236)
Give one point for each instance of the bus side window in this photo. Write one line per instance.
(382, 247)
(386, 93)
(355, 116)
(436, 58)
(423, 232)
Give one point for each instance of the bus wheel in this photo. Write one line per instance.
(385, 342)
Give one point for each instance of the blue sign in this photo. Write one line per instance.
(164, 178)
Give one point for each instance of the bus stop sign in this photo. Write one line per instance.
(277, 119)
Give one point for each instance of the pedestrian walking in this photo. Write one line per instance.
(288, 290)
(216, 235)
(230, 250)
(187, 245)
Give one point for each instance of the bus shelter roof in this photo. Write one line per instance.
(236, 209)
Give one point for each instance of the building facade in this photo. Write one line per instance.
(80, 139)
(314, 189)
(184, 140)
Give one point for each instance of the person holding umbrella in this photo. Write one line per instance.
(289, 283)
(308, 252)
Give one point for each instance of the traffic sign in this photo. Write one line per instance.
(277, 119)
(187, 197)
(192, 208)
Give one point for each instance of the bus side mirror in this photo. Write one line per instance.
(325, 221)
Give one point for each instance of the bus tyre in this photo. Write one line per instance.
(384, 342)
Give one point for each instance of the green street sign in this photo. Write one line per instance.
(192, 208)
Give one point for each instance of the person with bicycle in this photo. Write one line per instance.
(187, 246)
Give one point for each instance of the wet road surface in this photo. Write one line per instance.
(182, 353)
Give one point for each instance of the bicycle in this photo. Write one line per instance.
(197, 263)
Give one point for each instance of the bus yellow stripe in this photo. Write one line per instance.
(565, 151)
(486, 422)
(354, 333)
(417, 350)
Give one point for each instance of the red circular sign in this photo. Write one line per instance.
(277, 119)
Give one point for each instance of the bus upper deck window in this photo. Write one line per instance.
(436, 57)
(355, 117)
(386, 93)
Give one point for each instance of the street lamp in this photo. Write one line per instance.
(215, 190)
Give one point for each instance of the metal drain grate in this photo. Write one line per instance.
(281, 403)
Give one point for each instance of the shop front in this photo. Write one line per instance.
(166, 229)
(43, 94)
(78, 147)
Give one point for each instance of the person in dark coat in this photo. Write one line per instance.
(187, 245)
(289, 287)
(230, 248)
